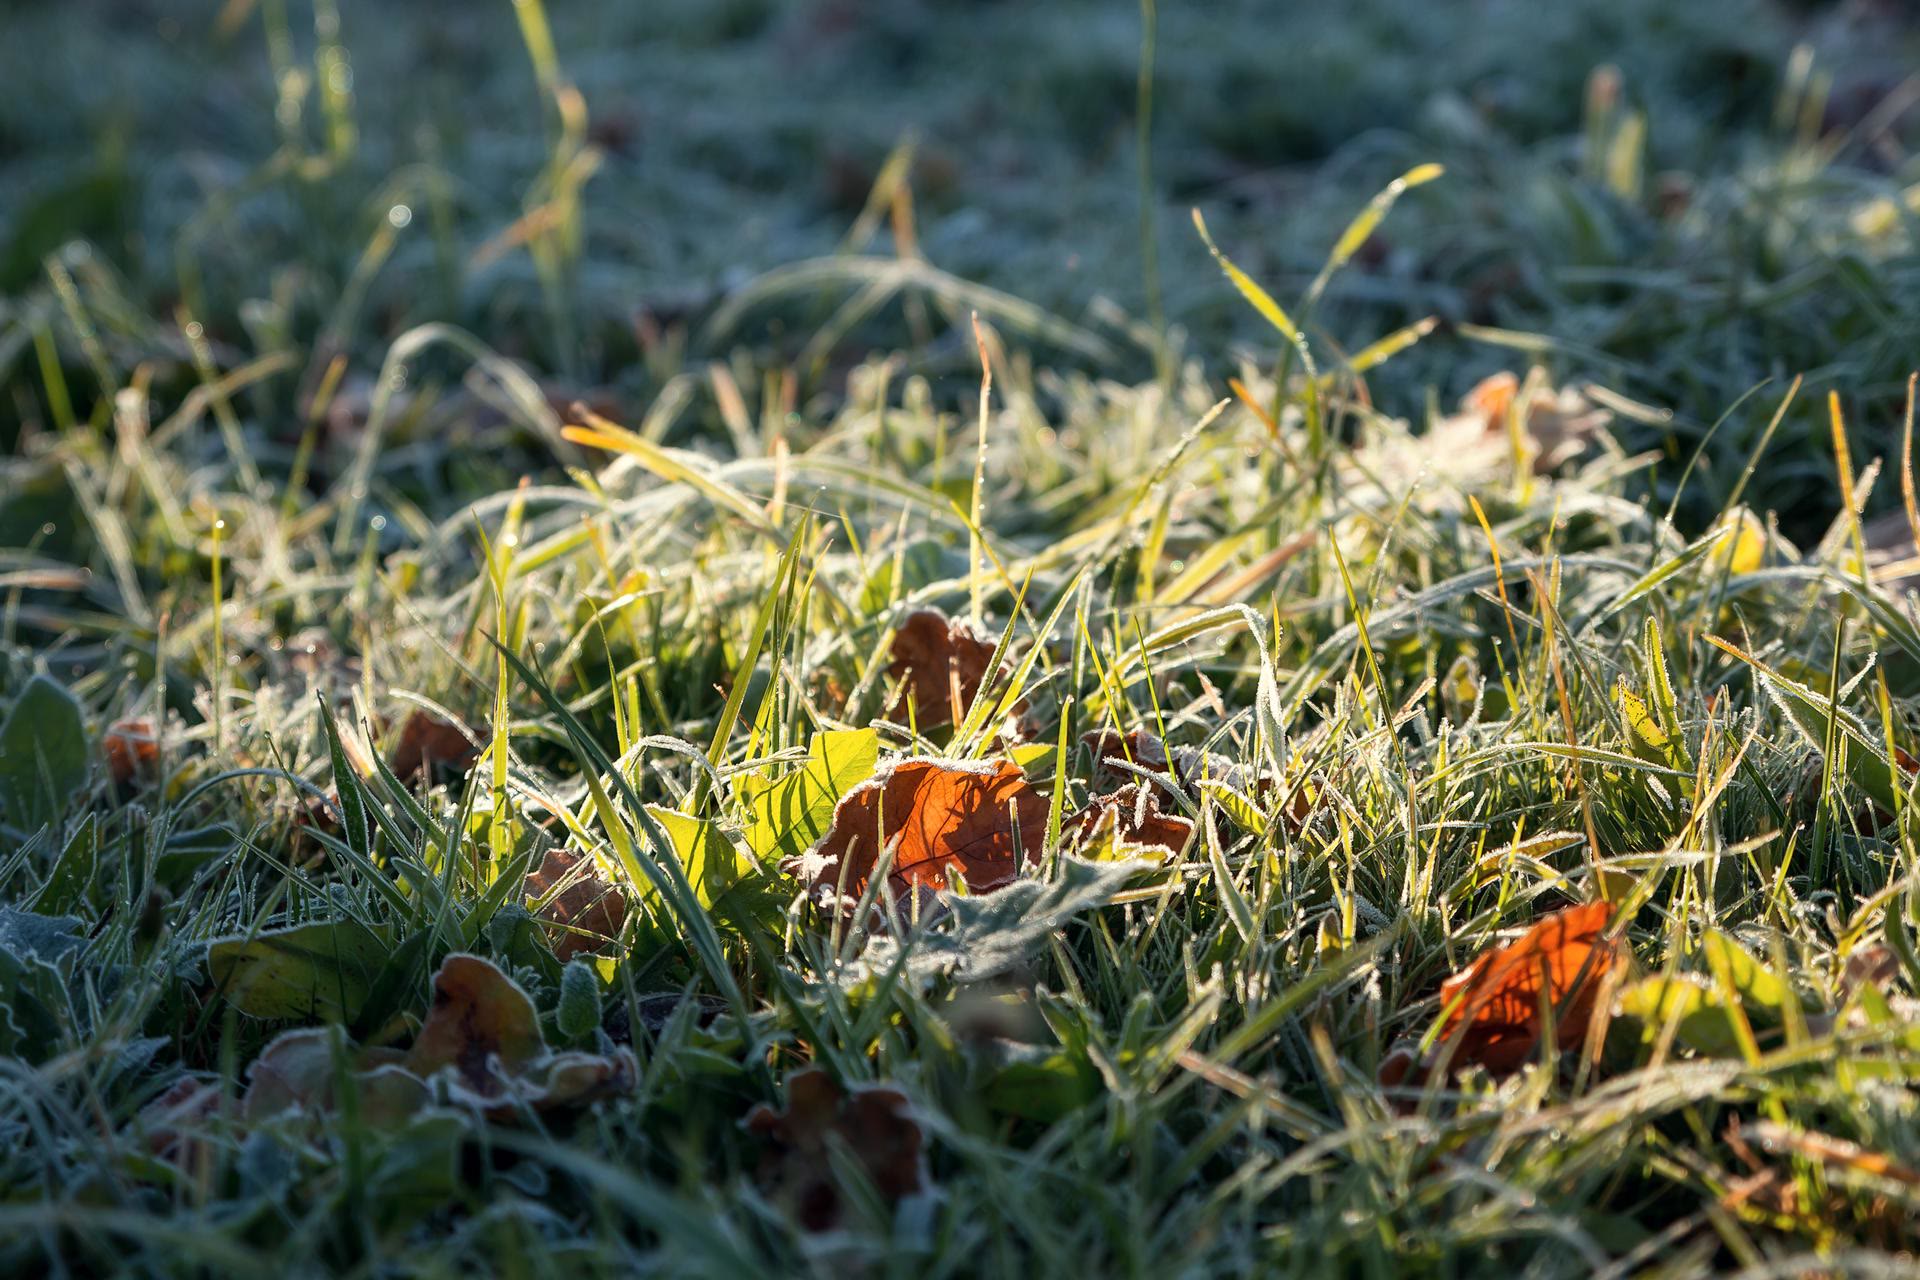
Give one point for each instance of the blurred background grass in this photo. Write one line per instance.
(1726, 208)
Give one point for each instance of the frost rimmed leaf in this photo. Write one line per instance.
(873, 1125)
(1129, 822)
(322, 971)
(35, 1008)
(43, 754)
(482, 1039)
(930, 819)
(480, 1047)
(941, 662)
(983, 937)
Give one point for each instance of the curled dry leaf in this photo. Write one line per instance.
(132, 749)
(586, 911)
(942, 662)
(482, 1026)
(427, 740)
(1131, 816)
(1557, 424)
(297, 1073)
(1117, 757)
(980, 819)
(1494, 1006)
(873, 1123)
(483, 1034)
(481, 1040)
(172, 1124)
(1186, 766)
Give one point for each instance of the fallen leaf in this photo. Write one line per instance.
(173, 1125)
(1556, 423)
(1490, 398)
(297, 1073)
(483, 1036)
(1185, 766)
(132, 748)
(1130, 816)
(587, 911)
(943, 662)
(872, 1123)
(482, 1026)
(1494, 1005)
(1119, 758)
(980, 819)
(427, 740)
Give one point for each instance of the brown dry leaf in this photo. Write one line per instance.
(482, 1026)
(943, 662)
(873, 1123)
(484, 1034)
(980, 819)
(297, 1072)
(173, 1124)
(1131, 816)
(1494, 1004)
(1186, 766)
(425, 741)
(587, 912)
(1557, 423)
(133, 750)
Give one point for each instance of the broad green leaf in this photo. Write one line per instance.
(1761, 991)
(1704, 1025)
(1037, 1083)
(43, 754)
(318, 971)
(789, 817)
(711, 862)
(71, 882)
(34, 1007)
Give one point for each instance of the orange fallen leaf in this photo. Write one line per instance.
(873, 1123)
(1131, 816)
(427, 740)
(587, 911)
(132, 748)
(943, 662)
(1557, 423)
(1490, 398)
(980, 819)
(1494, 1013)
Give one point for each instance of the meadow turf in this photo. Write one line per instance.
(302, 308)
